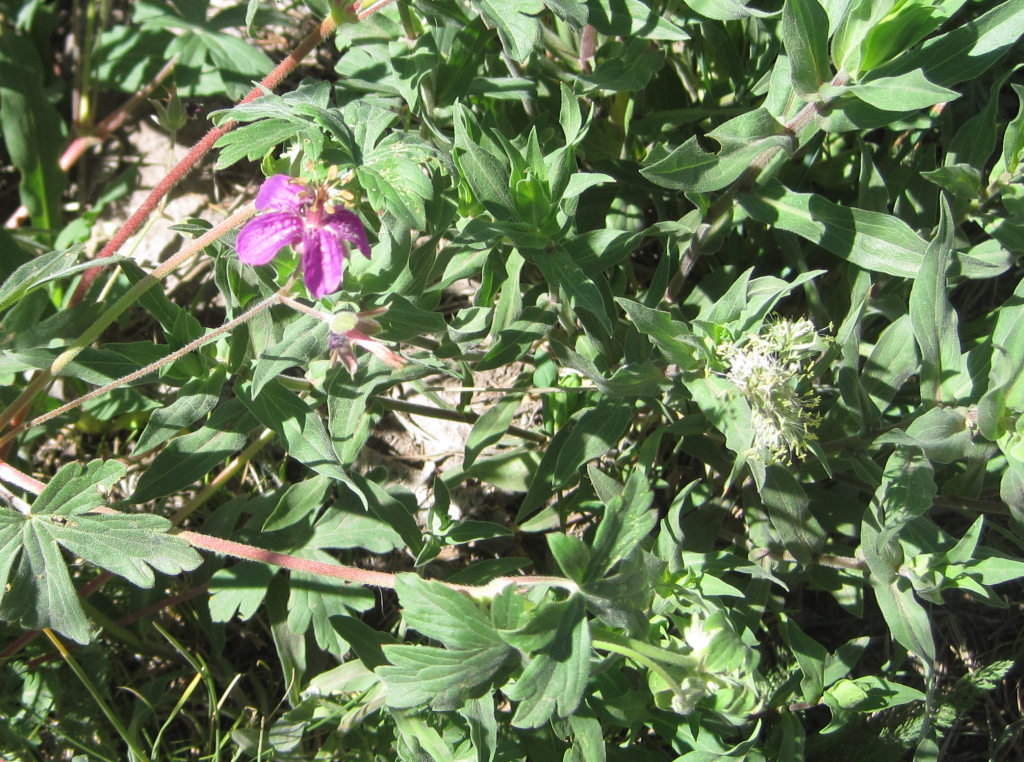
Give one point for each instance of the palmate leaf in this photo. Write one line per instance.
(443, 677)
(41, 593)
(556, 675)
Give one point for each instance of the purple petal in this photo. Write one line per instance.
(263, 236)
(348, 227)
(283, 194)
(322, 261)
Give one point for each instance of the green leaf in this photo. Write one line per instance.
(75, 489)
(239, 590)
(906, 92)
(444, 678)
(974, 142)
(554, 679)
(1013, 140)
(868, 694)
(789, 510)
(810, 655)
(628, 18)
(353, 527)
(672, 337)
(726, 410)
(443, 614)
(593, 435)
(43, 269)
(1006, 375)
(99, 366)
(960, 180)
(191, 457)
(516, 22)
(32, 129)
(804, 34)
(193, 401)
(569, 118)
(302, 340)
(315, 600)
(298, 424)
(627, 68)
(942, 433)
(892, 361)
(490, 427)
(932, 315)
(254, 141)
(965, 52)
(486, 174)
(365, 641)
(878, 242)
(571, 555)
(419, 675)
(302, 500)
(390, 510)
(515, 341)
(741, 140)
(907, 489)
(393, 177)
(41, 593)
(584, 293)
(907, 619)
(483, 725)
(856, 23)
(727, 10)
(626, 522)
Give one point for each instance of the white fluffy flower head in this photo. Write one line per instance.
(769, 370)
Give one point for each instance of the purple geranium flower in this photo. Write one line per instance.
(293, 213)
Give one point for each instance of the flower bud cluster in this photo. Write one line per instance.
(772, 370)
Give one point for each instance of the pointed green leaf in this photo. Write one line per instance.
(299, 425)
(516, 22)
(41, 593)
(593, 435)
(419, 675)
(303, 339)
(879, 242)
(804, 34)
(741, 140)
(239, 590)
(188, 458)
(194, 400)
(932, 315)
(907, 92)
(43, 269)
(490, 427)
(789, 511)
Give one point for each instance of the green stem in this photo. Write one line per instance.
(151, 368)
(114, 311)
(137, 753)
(651, 664)
(645, 649)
